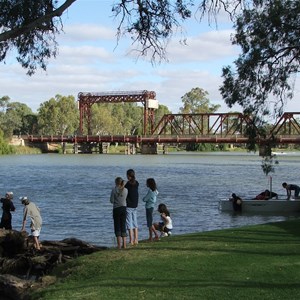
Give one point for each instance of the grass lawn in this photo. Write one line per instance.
(253, 262)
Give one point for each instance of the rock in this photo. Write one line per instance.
(13, 242)
(14, 288)
(24, 268)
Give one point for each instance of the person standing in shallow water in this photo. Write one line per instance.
(118, 199)
(236, 202)
(132, 200)
(7, 207)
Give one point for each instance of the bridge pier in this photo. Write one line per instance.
(130, 148)
(265, 150)
(155, 148)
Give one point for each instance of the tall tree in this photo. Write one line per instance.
(14, 120)
(196, 101)
(264, 74)
(103, 122)
(58, 116)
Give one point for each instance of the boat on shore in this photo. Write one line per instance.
(277, 206)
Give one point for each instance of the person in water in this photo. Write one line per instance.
(289, 188)
(236, 202)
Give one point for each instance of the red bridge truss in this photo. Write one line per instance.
(190, 128)
(205, 124)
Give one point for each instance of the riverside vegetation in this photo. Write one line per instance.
(253, 262)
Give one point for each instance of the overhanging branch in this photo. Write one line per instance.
(13, 33)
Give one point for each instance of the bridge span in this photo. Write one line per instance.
(215, 128)
(169, 139)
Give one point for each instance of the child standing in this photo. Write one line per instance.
(165, 226)
(118, 199)
(132, 200)
(150, 200)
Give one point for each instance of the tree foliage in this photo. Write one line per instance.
(196, 101)
(266, 30)
(30, 27)
(263, 78)
(58, 116)
(5, 148)
(15, 118)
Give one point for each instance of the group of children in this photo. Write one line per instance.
(124, 197)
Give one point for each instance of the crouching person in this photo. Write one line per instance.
(33, 212)
(165, 226)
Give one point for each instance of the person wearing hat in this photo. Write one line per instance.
(7, 207)
(32, 211)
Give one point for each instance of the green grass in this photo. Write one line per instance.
(254, 262)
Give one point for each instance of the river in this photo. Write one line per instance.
(73, 191)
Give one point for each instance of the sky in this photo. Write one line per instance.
(91, 59)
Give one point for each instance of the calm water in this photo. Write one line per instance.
(73, 190)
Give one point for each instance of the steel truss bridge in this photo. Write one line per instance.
(192, 128)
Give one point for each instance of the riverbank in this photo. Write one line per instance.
(252, 262)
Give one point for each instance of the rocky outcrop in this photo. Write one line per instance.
(23, 268)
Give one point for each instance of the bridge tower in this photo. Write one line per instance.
(147, 98)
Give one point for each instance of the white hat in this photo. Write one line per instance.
(10, 194)
(24, 200)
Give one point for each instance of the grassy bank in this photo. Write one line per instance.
(255, 262)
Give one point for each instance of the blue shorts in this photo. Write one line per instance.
(131, 218)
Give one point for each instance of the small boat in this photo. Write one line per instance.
(263, 206)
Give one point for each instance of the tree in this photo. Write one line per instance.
(58, 116)
(103, 122)
(267, 32)
(30, 27)
(5, 148)
(3, 103)
(196, 101)
(160, 112)
(15, 118)
(264, 74)
(114, 119)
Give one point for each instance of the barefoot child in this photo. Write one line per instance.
(132, 200)
(166, 225)
(150, 200)
(118, 199)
